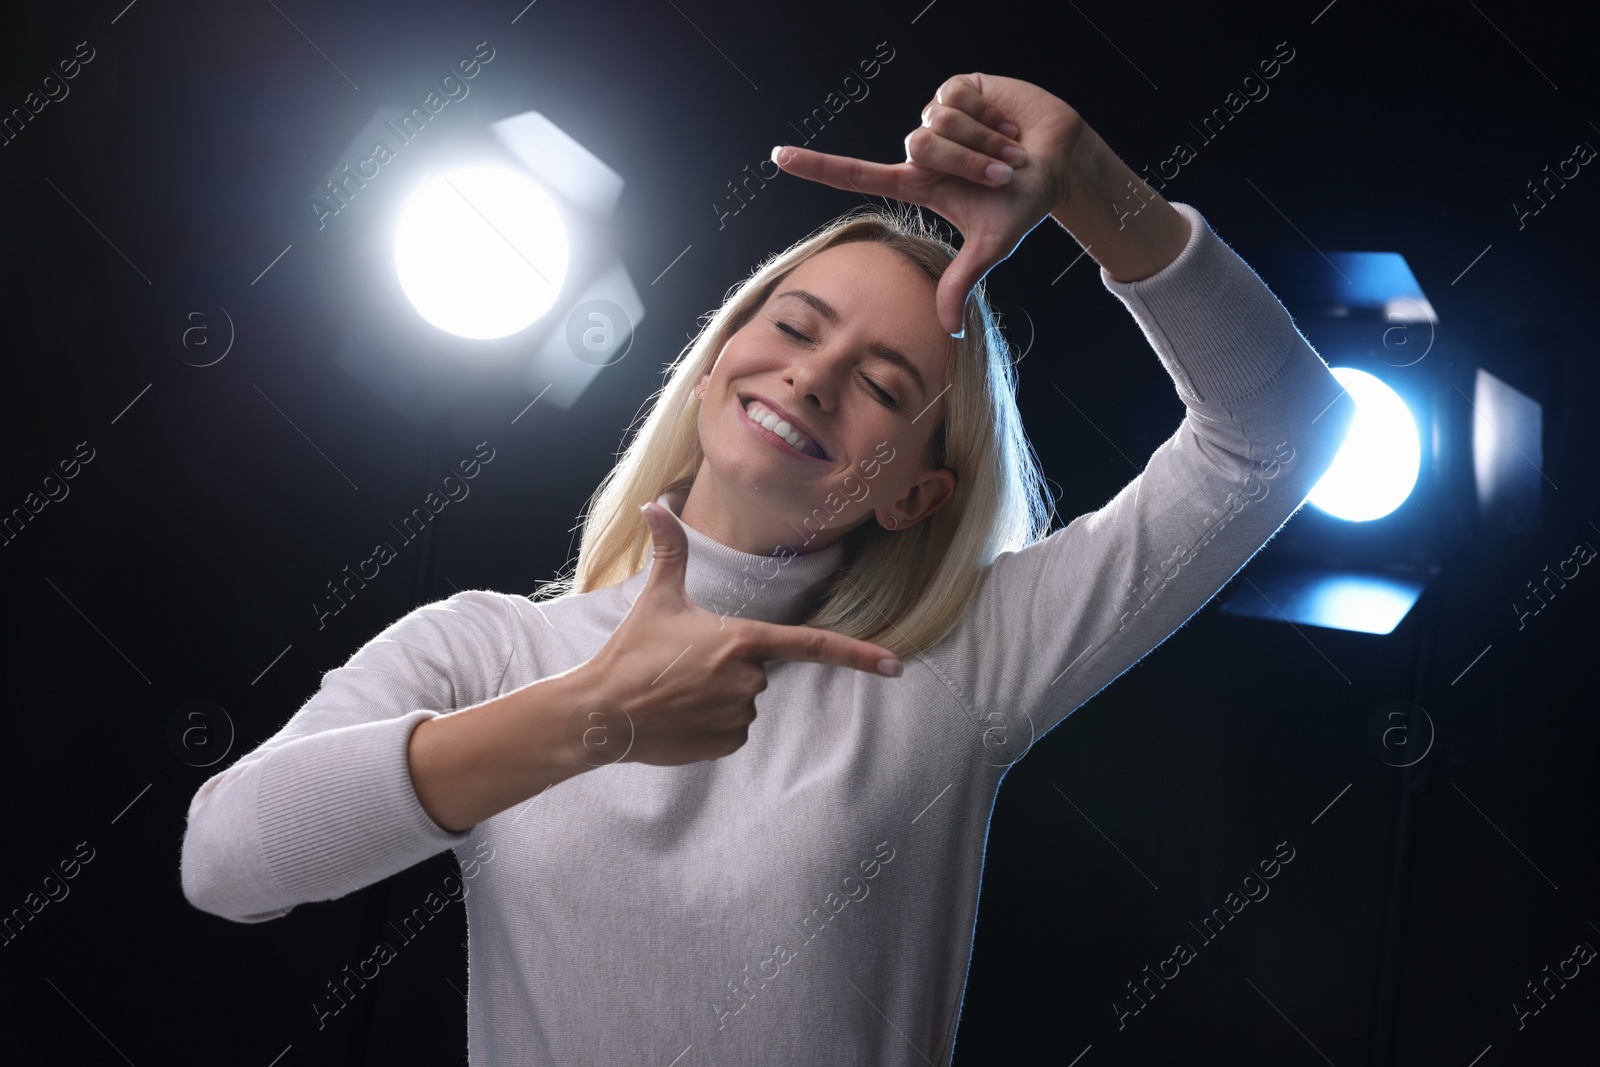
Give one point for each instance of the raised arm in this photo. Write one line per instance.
(1055, 622)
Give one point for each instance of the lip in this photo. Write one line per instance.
(788, 417)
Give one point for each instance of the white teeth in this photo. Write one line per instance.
(763, 416)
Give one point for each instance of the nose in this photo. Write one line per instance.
(812, 376)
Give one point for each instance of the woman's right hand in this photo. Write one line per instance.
(684, 679)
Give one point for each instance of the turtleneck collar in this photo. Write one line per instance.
(727, 581)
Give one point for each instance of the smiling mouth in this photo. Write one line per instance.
(760, 415)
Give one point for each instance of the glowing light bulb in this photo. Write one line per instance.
(1377, 467)
(481, 252)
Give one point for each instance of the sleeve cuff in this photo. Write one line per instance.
(338, 810)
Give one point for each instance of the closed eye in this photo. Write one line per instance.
(884, 396)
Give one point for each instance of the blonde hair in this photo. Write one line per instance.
(903, 590)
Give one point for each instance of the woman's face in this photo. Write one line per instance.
(848, 346)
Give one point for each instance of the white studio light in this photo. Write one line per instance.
(1377, 467)
(481, 252)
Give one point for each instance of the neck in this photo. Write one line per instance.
(751, 526)
(781, 585)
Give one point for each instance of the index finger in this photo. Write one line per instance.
(841, 172)
(811, 644)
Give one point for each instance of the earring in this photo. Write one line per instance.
(891, 523)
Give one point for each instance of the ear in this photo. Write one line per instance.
(922, 499)
(704, 381)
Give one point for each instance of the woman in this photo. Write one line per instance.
(657, 873)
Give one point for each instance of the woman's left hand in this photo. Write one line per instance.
(993, 155)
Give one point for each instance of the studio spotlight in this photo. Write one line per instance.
(475, 256)
(1440, 451)
(1383, 517)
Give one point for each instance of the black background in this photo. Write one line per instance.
(189, 551)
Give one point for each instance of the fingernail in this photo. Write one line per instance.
(1010, 130)
(778, 155)
(650, 518)
(997, 172)
(889, 667)
(1013, 155)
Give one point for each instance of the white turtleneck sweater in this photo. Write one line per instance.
(809, 899)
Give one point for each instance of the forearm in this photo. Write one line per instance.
(477, 762)
(1127, 227)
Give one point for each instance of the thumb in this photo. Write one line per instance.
(669, 547)
(957, 283)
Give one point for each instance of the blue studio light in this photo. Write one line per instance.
(1376, 469)
(1364, 563)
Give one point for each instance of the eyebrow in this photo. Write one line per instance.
(877, 348)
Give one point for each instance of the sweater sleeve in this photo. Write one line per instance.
(326, 805)
(1057, 621)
